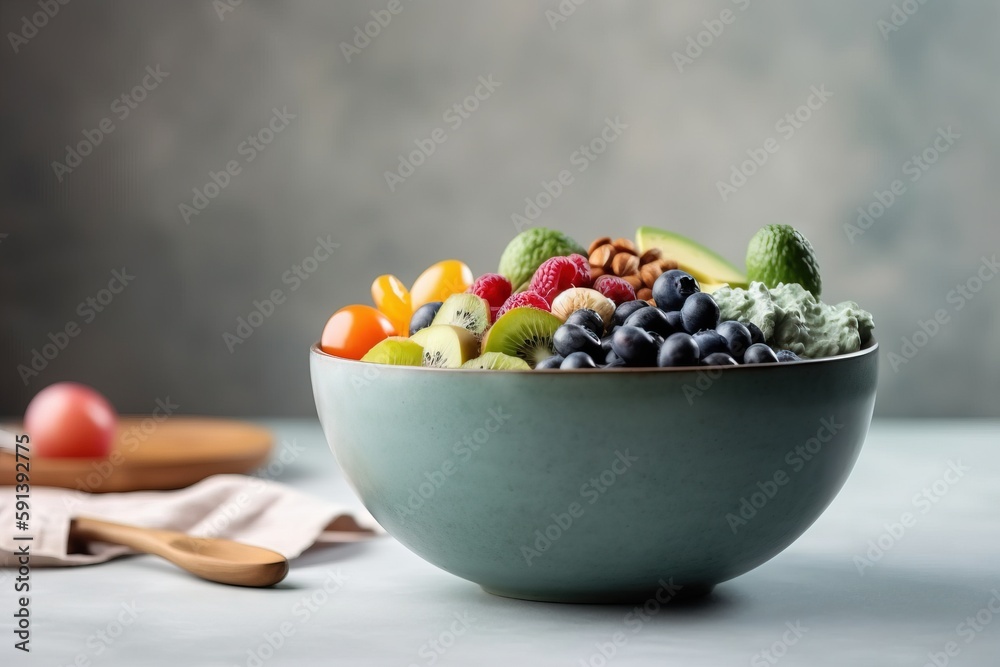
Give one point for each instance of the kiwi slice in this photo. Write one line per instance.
(525, 333)
(497, 361)
(396, 351)
(446, 345)
(467, 311)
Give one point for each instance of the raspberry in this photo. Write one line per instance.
(494, 288)
(584, 265)
(556, 275)
(522, 299)
(615, 288)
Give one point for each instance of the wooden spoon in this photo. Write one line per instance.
(223, 561)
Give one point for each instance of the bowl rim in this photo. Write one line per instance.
(869, 348)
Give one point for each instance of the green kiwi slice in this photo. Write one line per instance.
(525, 333)
(396, 351)
(497, 361)
(446, 345)
(467, 311)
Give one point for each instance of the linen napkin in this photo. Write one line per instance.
(234, 507)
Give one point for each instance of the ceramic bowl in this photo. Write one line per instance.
(597, 485)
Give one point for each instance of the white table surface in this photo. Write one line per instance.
(390, 606)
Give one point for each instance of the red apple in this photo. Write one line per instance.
(70, 420)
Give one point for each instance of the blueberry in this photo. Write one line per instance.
(586, 317)
(552, 362)
(578, 360)
(738, 337)
(634, 346)
(423, 316)
(710, 342)
(657, 338)
(617, 362)
(672, 288)
(678, 350)
(624, 310)
(700, 312)
(570, 338)
(758, 353)
(756, 335)
(651, 320)
(676, 321)
(719, 359)
(787, 355)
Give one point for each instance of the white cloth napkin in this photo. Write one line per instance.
(233, 507)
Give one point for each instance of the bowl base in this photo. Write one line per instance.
(686, 593)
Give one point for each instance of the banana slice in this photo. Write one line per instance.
(576, 298)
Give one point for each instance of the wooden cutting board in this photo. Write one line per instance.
(150, 455)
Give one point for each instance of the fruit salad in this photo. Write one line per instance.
(661, 301)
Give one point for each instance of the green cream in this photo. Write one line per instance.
(792, 319)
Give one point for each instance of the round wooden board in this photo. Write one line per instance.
(150, 455)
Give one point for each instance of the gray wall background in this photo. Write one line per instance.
(323, 174)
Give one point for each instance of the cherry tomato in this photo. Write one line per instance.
(393, 299)
(440, 281)
(353, 330)
(70, 420)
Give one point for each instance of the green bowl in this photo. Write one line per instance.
(597, 485)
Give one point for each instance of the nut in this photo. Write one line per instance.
(624, 264)
(602, 255)
(667, 264)
(624, 245)
(650, 255)
(604, 240)
(649, 273)
(596, 272)
(576, 298)
(634, 280)
(644, 293)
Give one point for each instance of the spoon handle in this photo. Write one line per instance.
(222, 561)
(146, 540)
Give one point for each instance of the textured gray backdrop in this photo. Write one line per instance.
(65, 230)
